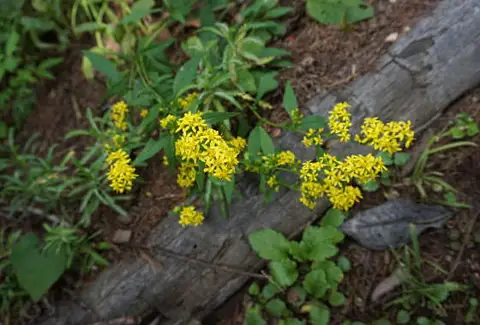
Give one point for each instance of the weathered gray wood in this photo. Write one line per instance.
(422, 74)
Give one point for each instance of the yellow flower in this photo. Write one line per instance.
(344, 198)
(119, 111)
(168, 122)
(190, 217)
(310, 171)
(285, 158)
(340, 122)
(220, 160)
(296, 116)
(188, 147)
(191, 122)
(165, 161)
(273, 183)
(385, 137)
(185, 102)
(311, 192)
(313, 138)
(121, 174)
(238, 143)
(186, 174)
(363, 168)
(144, 112)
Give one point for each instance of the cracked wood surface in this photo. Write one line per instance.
(421, 75)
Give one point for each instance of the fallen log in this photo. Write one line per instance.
(420, 76)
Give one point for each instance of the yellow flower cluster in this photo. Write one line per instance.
(189, 216)
(385, 137)
(340, 122)
(296, 116)
(168, 122)
(186, 174)
(121, 174)
(119, 111)
(200, 143)
(185, 102)
(285, 158)
(337, 176)
(272, 182)
(143, 112)
(313, 138)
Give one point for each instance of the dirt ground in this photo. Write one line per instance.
(323, 57)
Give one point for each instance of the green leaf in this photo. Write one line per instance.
(254, 141)
(333, 273)
(229, 188)
(89, 27)
(296, 296)
(278, 12)
(37, 24)
(289, 99)
(3, 130)
(253, 316)
(284, 272)
(276, 307)
(344, 264)
(266, 83)
(291, 321)
(140, 9)
(312, 122)
(336, 298)
(423, 321)
(386, 157)
(266, 142)
(333, 217)
(315, 283)
(36, 271)
(151, 149)
(319, 315)
(450, 197)
(401, 158)
(103, 65)
(269, 244)
(185, 76)
(318, 243)
(457, 133)
(12, 43)
(371, 186)
(472, 129)
(358, 10)
(254, 289)
(269, 291)
(218, 117)
(403, 317)
(246, 81)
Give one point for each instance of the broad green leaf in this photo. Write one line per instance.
(312, 122)
(344, 264)
(296, 296)
(246, 81)
(266, 83)
(403, 317)
(291, 321)
(254, 317)
(319, 243)
(371, 186)
(401, 158)
(472, 129)
(269, 291)
(276, 307)
(457, 133)
(36, 271)
(254, 141)
(185, 76)
(386, 157)
(140, 9)
(360, 10)
(266, 142)
(333, 273)
(151, 149)
(269, 244)
(315, 283)
(254, 289)
(333, 217)
(229, 188)
(12, 43)
(103, 65)
(336, 298)
(217, 117)
(319, 315)
(289, 99)
(338, 13)
(284, 272)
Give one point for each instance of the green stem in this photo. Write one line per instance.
(276, 125)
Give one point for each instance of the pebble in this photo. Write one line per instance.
(391, 37)
(122, 236)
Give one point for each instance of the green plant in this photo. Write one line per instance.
(417, 291)
(303, 279)
(472, 310)
(429, 321)
(339, 12)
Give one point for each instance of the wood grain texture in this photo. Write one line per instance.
(420, 76)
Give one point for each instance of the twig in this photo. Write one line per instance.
(192, 260)
(128, 320)
(466, 238)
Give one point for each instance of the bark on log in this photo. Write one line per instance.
(420, 76)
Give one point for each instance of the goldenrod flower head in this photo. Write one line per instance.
(168, 122)
(188, 147)
(121, 174)
(340, 122)
(144, 112)
(385, 137)
(186, 174)
(220, 160)
(285, 158)
(311, 192)
(189, 216)
(344, 198)
(296, 116)
(310, 171)
(238, 143)
(272, 182)
(186, 101)
(191, 122)
(363, 168)
(119, 111)
(313, 138)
